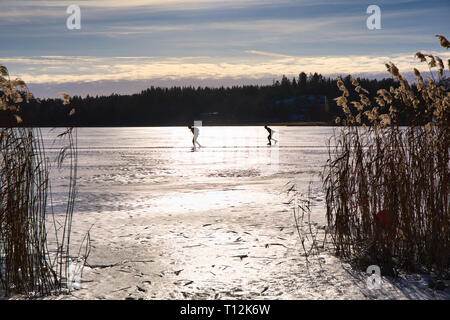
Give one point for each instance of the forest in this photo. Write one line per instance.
(306, 98)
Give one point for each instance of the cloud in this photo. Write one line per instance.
(269, 54)
(256, 65)
(212, 27)
(24, 8)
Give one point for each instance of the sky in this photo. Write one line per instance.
(127, 46)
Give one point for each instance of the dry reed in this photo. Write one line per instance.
(387, 185)
(26, 263)
(312, 238)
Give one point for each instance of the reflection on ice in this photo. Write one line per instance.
(153, 169)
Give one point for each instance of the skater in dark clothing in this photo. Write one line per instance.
(269, 137)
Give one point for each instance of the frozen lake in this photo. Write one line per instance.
(155, 169)
(209, 224)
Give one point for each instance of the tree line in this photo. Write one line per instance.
(246, 104)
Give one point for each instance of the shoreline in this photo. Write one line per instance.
(206, 123)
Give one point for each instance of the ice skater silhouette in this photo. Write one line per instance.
(195, 131)
(269, 137)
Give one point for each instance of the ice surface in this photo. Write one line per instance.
(166, 222)
(154, 169)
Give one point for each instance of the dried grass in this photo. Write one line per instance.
(386, 185)
(28, 266)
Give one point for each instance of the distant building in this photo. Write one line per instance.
(305, 107)
(209, 116)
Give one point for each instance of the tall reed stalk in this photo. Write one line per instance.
(26, 263)
(387, 185)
